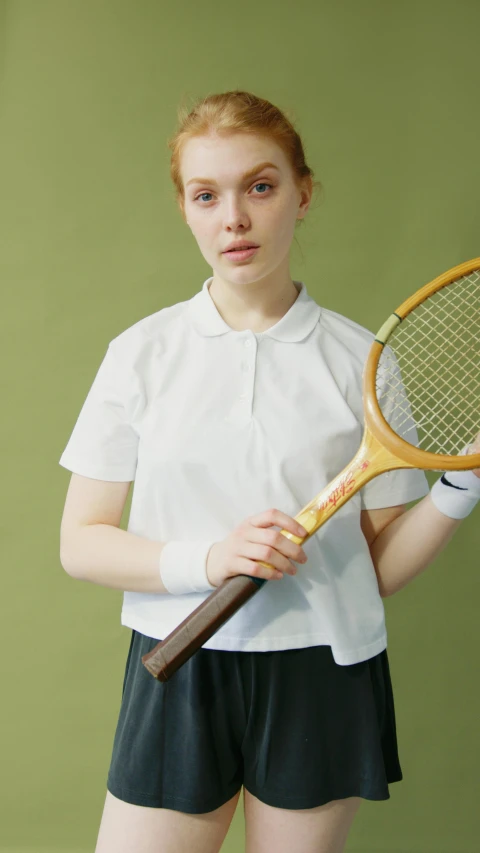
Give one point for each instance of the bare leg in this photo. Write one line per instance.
(320, 830)
(126, 828)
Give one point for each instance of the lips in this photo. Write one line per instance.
(241, 248)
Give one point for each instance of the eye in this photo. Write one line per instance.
(200, 196)
(260, 184)
(263, 185)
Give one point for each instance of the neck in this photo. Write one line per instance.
(256, 306)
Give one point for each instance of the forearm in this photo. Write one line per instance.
(112, 557)
(409, 544)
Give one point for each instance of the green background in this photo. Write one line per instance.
(386, 98)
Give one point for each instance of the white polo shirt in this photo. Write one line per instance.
(215, 425)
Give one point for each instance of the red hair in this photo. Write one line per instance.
(237, 112)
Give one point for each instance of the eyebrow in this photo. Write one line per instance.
(250, 174)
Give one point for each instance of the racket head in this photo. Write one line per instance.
(423, 373)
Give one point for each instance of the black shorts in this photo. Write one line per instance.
(295, 728)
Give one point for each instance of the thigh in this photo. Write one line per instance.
(126, 828)
(320, 830)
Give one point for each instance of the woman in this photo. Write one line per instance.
(229, 412)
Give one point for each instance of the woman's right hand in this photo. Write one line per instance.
(253, 540)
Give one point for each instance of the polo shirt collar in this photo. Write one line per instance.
(300, 319)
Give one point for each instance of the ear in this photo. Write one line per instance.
(306, 197)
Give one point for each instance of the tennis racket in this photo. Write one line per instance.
(421, 397)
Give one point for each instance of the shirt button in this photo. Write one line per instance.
(243, 396)
(248, 343)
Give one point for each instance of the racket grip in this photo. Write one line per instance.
(169, 654)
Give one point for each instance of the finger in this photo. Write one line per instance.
(276, 539)
(280, 519)
(257, 570)
(269, 555)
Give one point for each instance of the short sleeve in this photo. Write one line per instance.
(405, 484)
(103, 444)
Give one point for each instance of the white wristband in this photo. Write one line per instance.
(183, 567)
(456, 492)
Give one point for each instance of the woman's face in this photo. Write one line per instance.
(227, 205)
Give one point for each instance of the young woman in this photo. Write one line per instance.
(229, 412)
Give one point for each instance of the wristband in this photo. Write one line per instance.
(456, 492)
(183, 567)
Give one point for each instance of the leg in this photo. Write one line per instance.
(320, 830)
(126, 828)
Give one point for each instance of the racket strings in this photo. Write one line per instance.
(428, 376)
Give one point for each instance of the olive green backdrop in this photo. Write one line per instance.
(386, 98)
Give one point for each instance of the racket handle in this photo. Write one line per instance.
(169, 654)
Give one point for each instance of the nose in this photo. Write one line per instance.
(235, 214)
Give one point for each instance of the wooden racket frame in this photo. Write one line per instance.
(374, 418)
(381, 450)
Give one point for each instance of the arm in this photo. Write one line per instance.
(112, 557)
(94, 548)
(403, 543)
